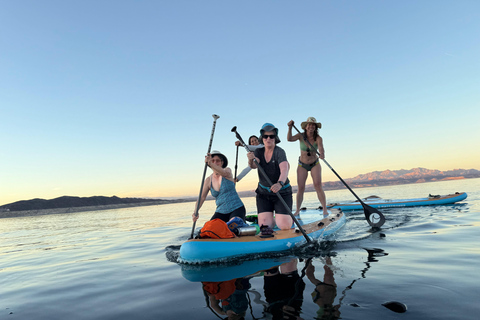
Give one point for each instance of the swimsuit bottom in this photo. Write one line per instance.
(308, 167)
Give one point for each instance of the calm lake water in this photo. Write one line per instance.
(120, 264)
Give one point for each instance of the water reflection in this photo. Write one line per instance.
(283, 288)
(228, 297)
(325, 291)
(281, 295)
(373, 254)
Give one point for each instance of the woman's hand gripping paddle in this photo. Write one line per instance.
(262, 172)
(374, 217)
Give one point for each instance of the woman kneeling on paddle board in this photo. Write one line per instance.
(220, 184)
(308, 160)
(273, 161)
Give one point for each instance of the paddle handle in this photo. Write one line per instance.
(215, 117)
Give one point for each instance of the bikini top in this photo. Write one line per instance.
(304, 147)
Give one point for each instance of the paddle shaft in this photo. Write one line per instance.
(215, 117)
(264, 174)
(365, 206)
(236, 164)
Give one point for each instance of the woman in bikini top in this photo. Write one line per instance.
(308, 153)
(308, 160)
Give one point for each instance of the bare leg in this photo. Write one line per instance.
(302, 175)
(284, 221)
(266, 218)
(317, 182)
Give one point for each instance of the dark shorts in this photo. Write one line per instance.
(240, 212)
(271, 203)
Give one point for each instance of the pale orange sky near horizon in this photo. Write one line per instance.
(250, 182)
(188, 184)
(124, 107)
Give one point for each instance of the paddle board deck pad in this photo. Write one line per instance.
(377, 202)
(211, 250)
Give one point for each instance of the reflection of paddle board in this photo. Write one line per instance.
(225, 272)
(377, 202)
(208, 250)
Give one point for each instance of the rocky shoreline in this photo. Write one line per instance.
(40, 212)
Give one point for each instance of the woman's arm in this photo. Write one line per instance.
(247, 169)
(251, 163)
(228, 174)
(284, 167)
(290, 137)
(243, 173)
(205, 191)
(321, 151)
(215, 304)
(224, 172)
(253, 148)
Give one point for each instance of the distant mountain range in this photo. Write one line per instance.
(372, 179)
(389, 177)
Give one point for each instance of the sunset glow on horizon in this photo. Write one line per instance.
(102, 99)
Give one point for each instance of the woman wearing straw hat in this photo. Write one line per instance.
(220, 184)
(308, 160)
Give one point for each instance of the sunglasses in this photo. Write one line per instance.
(271, 136)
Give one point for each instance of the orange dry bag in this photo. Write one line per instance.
(216, 229)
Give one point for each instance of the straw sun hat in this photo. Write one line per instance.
(311, 120)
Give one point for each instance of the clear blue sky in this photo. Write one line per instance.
(116, 97)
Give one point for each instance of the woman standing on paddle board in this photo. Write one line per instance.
(273, 161)
(308, 160)
(220, 184)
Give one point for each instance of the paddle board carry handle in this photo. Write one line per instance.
(263, 173)
(215, 117)
(373, 216)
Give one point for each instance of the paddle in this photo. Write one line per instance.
(374, 217)
(262, 172)
(236, 165)
(215, 117)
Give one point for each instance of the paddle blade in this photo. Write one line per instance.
(374, 217)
